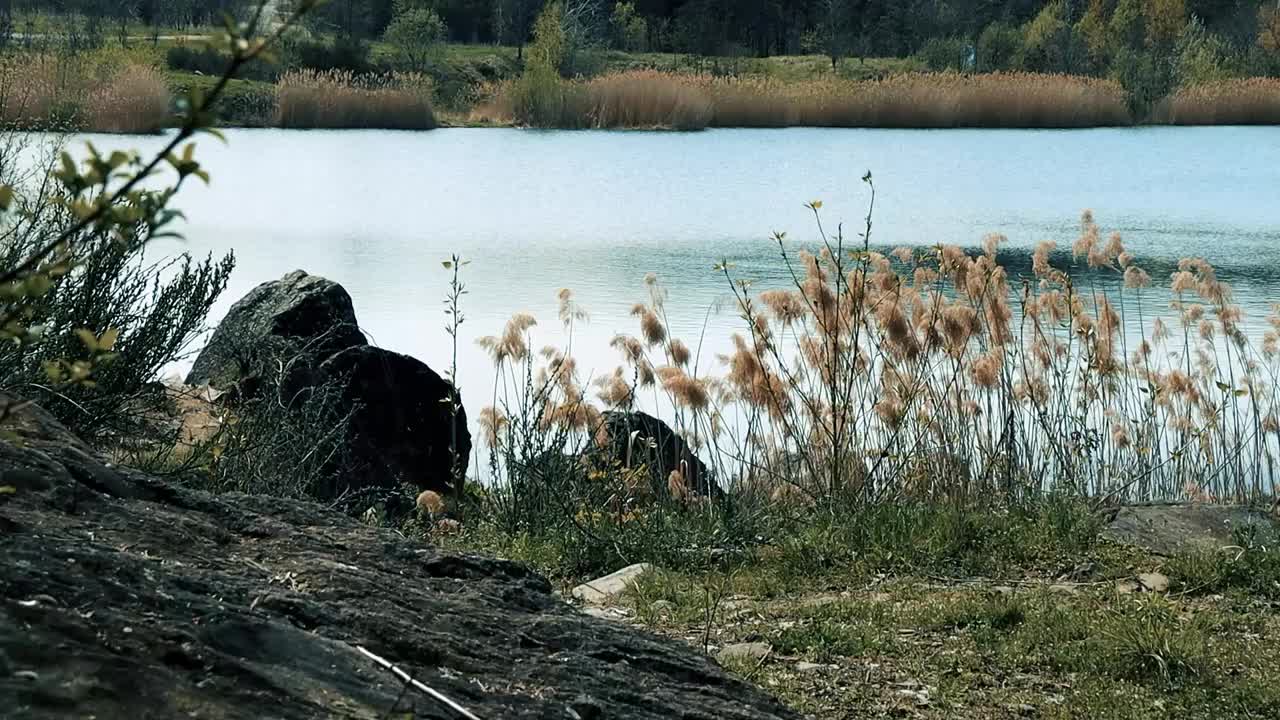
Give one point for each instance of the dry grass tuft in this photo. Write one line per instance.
(46, 91)
(1246, 101)
(135, 100)
(342, 100)
(647, 98)
(640, 99)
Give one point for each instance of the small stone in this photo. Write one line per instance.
(808, 667)
(1065, 588)
(1023, 709)
(739, 652)
(1154, 582)
(1002, 590)
(602, 590)
(1126, 587)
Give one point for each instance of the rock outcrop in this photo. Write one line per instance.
(124, 596)
(301, 332)
(659, 448)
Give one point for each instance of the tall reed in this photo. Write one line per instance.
(646, 98)
(341, 99)
(928, 374)
(31, 88)
(923, 100)
(1244, 101)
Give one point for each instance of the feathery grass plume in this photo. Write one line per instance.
(677, 486)
(651, 327)
(686, 391)
(679, 352)
(787, 307)
(341, 99)
(492, 424)
(430, 502)
(569, 310)
(511, 345)
(615, 391)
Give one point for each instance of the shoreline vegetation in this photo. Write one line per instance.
(49, 93)
(135, 89)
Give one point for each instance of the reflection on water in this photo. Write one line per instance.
(596, 211)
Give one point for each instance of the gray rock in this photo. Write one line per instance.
(602, 590)
(741, 652)
(808, 667)
(300, 317)
(1170, 529)
(1154, 582)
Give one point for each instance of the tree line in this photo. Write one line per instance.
(1082, 36)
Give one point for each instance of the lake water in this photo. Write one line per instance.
(595, 212)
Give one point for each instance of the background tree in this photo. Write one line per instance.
(629, 30)
(513, 22)
(832, 34)
(416, 32)
(1165, 20)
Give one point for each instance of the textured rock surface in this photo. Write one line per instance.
(402, 424)
(299, 314)
(1168, 529)
(123, 596)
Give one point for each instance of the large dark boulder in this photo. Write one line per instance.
(123, 596)
(299, 320)
(298, 335)
(402, 425)
(657, 447)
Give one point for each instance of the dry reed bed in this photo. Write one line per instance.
(44, 91)
(341, 100)
(1247, 101)
(646, 98)
(931, 374)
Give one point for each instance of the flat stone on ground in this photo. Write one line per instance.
(602, 590)
(739, 652)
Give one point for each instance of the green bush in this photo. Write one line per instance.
(416, 33)
(156, 311)
(1146, 78)
(210, 62)
(341, 53)
(998, 49)
(1202, 57)
(946, 54)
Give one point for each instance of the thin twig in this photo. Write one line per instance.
(406, 677)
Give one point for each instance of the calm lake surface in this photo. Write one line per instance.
(537, 211)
